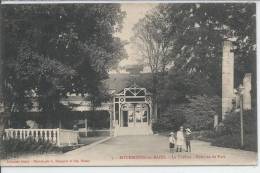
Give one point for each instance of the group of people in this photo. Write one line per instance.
(179, 140)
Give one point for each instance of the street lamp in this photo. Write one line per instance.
(240, 92)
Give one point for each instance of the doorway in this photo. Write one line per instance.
(135, 115)
(125, 118)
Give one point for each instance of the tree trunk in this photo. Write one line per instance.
(155, 98)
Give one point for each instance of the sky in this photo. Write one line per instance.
(134, 12)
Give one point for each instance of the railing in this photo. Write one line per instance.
(59, 137)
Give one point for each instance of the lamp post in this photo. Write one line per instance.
(240, 92)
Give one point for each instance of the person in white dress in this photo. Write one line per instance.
(180, 140)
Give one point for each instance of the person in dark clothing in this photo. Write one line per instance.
(188, 138)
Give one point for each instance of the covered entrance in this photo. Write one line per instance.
(132, 111)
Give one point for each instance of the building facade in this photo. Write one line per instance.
(128, 111)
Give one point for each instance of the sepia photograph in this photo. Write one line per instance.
(128, 84)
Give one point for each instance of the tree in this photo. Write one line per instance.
(195, 33)
(155, 46)
(69, 48)
(50, 50)
(2, 113)
(199, 31)
(181, 85)
(31, 74)
(200, 112)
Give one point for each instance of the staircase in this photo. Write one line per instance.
(143, 130)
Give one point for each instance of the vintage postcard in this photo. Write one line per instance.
(128, 84)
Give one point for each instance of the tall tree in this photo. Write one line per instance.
(195, 34)
(155, 46)
(56, 49)
(3, 113)
(1, 91)
(199, 31)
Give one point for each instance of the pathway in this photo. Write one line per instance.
(144, 150)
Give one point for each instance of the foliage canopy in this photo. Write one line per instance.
(57, 49)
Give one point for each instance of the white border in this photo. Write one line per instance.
(120, 1)
(187, 169)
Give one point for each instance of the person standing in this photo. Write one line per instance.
(172, 142)
(180, 139)
(188, 138)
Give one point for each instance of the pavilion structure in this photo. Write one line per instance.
(132, 111)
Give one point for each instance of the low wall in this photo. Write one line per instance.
(59, 137)
(68, 137)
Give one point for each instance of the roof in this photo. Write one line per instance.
(119, 81)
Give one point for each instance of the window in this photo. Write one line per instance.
(117, 111)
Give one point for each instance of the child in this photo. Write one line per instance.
(171, 142)
(180, 140)
(188, 138)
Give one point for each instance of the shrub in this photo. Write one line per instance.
(231, 124)
(233, 141)
(14, 147)
(198, 114)
(168, 122)
(228, 132)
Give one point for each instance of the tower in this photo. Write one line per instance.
(227, 78)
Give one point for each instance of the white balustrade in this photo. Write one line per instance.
(59, 137)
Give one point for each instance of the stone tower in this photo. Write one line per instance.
(227, 78)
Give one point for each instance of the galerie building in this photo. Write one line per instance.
(128, 112)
